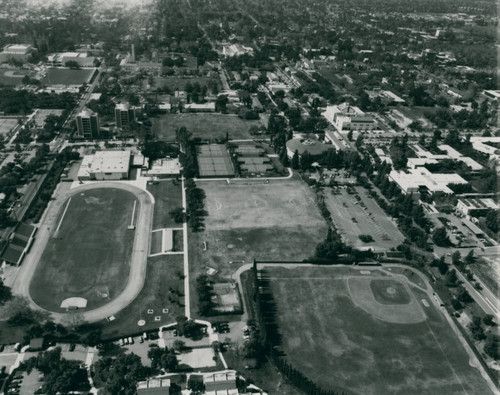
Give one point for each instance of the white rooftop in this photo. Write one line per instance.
(110, 162)
(418, 177)
(165, 167)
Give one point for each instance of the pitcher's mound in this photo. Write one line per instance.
(74, 303)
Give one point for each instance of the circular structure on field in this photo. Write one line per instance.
(141, 322)
(389, 292)
(85, 249)
(385, 299)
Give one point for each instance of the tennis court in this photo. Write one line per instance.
(214, 161)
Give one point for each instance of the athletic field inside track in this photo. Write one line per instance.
(88, 254)
(367, 332)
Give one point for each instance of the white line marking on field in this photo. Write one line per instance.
(64, 214)
(133, 214)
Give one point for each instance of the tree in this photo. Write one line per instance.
(488, 320)
(221, 103)
(464, 296)
(5, 292)
(440, 237)
(451, 278)
(359, 141)
(476, 329)
(470, 258)
(119, 375)
(492, 220)
(492, 346)
(60, 375)
(178, 345)
(178, 215)
(72, 64)
(349, 135)
(295, 160)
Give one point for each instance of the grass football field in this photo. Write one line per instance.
(89, 256)
(368, 334)
(204, 126)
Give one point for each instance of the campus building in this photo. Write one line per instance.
(124, 116)
(476, 207)
(156, 386)
(105, 165)
(19, 52)
(87, 125)
(418, 178)
(223, 382)
(79, 58)
(345, 117)
(314, 147)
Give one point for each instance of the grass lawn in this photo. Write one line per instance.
(56, 76)
(168, 196)
(205, 126)
(342, 347)
(275, 221)
(156, 242)
(163, 272)
(90, 256)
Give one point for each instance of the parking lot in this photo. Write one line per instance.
(358, 214)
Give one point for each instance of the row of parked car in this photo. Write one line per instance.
(15, 384)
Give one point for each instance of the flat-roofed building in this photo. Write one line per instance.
(80, 58)
(415, 179)
(105, 165)
(155, 386)
(204, 107)
(476, 207)
(165, 167)
(19, 52)
(87, 125)
(124, 116)
(220, 383)
(345, 117)
(314, 147)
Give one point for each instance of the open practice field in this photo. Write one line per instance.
(60, 76)
(352, 220)
(156, 304)
(204, 126)
(275, 221)
(168, 197)
(89, 255)
(368, 333)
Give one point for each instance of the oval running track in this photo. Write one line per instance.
(138, 260)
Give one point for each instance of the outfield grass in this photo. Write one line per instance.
(90, 257)
(342, 347)
(204, 126)
(168, 196)
(163, 272)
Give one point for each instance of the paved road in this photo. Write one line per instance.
(187, 296)
(433, 297)
(138, 261)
